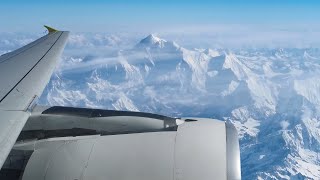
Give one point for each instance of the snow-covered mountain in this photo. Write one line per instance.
(272, 96)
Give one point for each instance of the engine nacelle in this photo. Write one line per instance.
(198, 148)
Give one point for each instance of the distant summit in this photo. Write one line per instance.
(152, 41)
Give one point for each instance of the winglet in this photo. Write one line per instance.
(50, 29)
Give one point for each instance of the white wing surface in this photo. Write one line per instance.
(24, 73)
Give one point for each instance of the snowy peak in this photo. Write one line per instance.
(307, 56)
(211, 52)
(152, 41)
(235, 65)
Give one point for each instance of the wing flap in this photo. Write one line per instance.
(11, 125)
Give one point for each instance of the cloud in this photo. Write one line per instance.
(284, 124)
(91, 62)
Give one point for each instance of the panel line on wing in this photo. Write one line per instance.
(31, 68)
(31, 46)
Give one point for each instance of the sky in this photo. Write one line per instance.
(139, 15)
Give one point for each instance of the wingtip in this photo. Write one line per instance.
(50, 29)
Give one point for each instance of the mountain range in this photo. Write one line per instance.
(271, 95)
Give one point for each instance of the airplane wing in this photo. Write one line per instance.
(24, 73)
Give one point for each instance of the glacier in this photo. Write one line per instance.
(271, 95)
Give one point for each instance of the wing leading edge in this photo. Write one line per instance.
(24, 73)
